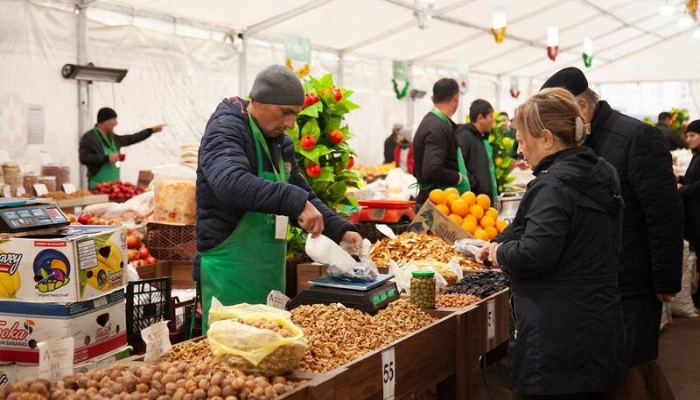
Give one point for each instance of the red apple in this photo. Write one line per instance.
(150, 260)
(133, 242)
(84, 218)
(144, 253)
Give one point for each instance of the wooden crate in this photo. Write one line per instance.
(424, 359)
(309, 270)
(180, 273)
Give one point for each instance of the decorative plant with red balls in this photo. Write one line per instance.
(322, 151)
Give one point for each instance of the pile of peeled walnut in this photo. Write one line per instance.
(167, 380)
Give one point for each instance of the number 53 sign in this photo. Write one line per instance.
(388, 374)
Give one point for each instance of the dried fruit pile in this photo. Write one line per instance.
(411, 246)
(481, 284)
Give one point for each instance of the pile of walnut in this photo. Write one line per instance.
(338, 335)
(457, 300)
(411, 246)
(177, 381)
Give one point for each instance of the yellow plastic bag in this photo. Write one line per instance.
(255, 338)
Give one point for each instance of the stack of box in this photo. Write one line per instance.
(68, 284)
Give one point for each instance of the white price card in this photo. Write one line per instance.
(388, 374)
(56, 358)
(157, 339)
(68, 188)
(45, 158)
(277, 299)
(491, 319)
(7, 191)
(40, 189)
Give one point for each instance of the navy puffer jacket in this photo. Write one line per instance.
(228, 185)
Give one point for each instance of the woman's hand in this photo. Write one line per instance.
(487, 256)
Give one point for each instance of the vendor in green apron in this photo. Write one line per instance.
(99, 147)
(436, 160)
(249, 189)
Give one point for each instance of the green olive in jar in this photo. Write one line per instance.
(423, 289)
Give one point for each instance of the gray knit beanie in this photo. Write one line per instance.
(277, 84)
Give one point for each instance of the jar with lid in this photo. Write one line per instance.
(423, 289)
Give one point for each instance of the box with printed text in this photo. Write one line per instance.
(97, 327)
(430, 220)
(79, 263)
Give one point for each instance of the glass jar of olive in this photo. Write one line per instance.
(423, 289)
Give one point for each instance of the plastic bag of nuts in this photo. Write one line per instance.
(255, 339)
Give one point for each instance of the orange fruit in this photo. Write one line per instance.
(443, 209)
(481, 234)
(487, 221)
(459, 207)
(469, 224)
(484, 201)
(500, 224)
(491, 212)
(451, 190)
(437, 196)
(469, 197)
(455, 218)
(491, 231)
(477, 211)
(472, 218)
(450, 198)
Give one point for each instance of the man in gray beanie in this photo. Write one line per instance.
(248, 189)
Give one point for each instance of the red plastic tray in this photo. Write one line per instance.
(391, 204)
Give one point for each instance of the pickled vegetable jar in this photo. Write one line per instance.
(423, 289)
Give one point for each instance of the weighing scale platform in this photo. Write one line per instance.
(368, 297)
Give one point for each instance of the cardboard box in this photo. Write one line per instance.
(430, 219)
(79, 263)
(15, 373)
(308, 271)
(97, 327)
(145, 178)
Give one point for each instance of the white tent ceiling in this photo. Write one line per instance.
(632, 41)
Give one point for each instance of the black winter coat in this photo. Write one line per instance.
(690, 193)
(653, 217)
(434, 155)
(470, 140)
(228, 185)
(90, 150)
(562, 254)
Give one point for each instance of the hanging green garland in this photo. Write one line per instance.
(587, 60)
(400, 94)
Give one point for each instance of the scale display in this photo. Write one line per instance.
(24, 218)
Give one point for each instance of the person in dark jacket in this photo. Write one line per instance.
(248, 188)
(99, 147)
(653, 216)
(434, 146)
(390, 143)
(689, 188)
(562, 254)
(671, 137)
(473, 141)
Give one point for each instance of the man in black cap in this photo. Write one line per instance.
(653, 216)
(248, 188)
(99, 147)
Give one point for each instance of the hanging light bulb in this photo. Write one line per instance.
(587, 52)
(498, 24)
(552, 42)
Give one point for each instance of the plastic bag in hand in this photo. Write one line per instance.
(469, 247)
(363, 270)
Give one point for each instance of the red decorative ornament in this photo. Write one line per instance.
(463, 87)
(552, 52)
(514, 93)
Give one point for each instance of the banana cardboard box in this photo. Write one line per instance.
(79, 263)
(430, 219)
(16, 373)
(97, 326)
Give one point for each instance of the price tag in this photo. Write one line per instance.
(388, 374)
(491, 319)
(157, 339)
(281, 222)
(40, 189)
(56, 358)
(68, 188)
(7, 191)
(20, 191)
(277, 299)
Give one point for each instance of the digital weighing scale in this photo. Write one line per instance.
(22, 215)
(368, 297)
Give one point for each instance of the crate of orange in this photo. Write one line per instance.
(452, 216)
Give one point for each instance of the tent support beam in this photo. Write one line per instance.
(285, 16)
(84, 100)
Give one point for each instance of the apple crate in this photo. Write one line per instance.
(171, 241)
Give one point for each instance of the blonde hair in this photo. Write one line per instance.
(554, 109)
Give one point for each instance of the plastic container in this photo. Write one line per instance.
(174, 190)
(423, 289)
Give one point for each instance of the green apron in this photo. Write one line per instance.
(463, 186)
(108, 171)
(492, 168)
(250, 262)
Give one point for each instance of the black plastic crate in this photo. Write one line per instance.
(147, 302)
(369, 230)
